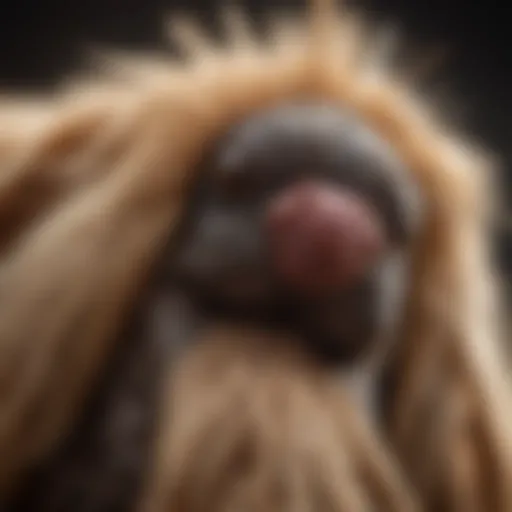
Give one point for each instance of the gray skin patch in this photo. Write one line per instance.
(223, 254)
(363, 378)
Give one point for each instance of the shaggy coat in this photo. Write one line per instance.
(92, 185)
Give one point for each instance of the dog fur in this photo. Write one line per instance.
(93, 182)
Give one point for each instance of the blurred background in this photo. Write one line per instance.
(42, 40)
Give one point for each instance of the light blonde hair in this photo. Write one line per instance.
(94, 179)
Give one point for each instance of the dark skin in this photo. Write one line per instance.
(302, 212)
(302, 220)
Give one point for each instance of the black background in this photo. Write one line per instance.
(40, 40)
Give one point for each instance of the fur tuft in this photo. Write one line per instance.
(252, 425)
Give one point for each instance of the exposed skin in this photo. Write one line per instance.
(349, 203)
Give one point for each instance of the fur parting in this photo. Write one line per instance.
(94, 178)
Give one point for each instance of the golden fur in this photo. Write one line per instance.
(253, 425)
(92, 184)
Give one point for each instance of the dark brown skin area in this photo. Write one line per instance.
(231, 260)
